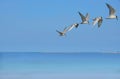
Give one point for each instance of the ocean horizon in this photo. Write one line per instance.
(64, 65)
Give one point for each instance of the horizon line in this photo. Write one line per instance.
(59, 52)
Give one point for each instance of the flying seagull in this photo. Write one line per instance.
(66, 29)
(111, 12)
(85, 19)
(97, 20)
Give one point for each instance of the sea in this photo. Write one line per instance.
(39, 65)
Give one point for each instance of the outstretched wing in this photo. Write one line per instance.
(95, 21)
(58, 31)
(65, 30)
(87, 16)
(111, 9)
(82, 16)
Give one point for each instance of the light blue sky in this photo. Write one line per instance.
(30, 25)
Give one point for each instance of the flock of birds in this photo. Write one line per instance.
(85, 20)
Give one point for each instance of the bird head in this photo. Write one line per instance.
(77, 25)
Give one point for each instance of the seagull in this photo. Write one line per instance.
(84, 18)
(111, 12)
(97, 20)
(66, 29)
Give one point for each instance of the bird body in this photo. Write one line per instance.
(111, 17)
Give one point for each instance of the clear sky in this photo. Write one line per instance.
(30, 26)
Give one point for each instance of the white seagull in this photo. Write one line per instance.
(111, 12)
(68, 29)
(97, 20)
(85, 19)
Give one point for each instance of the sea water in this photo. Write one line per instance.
(36, 65)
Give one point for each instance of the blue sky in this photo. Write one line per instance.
(30, 26)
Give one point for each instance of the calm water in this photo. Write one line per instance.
(59, 66)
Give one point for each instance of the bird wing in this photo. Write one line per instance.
(65, 30)
(111, 9)
(82, 16)
(58, 31)
(95, 21)
(87, 16)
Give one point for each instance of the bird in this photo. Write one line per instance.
(85, 19)
(98, 20)
(66, 29)
(112, 12)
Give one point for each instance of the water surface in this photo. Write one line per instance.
(35, 65)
